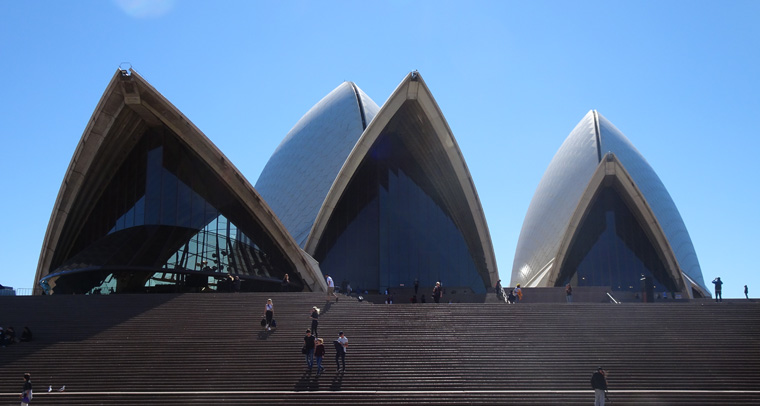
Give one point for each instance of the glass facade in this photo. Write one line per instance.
(165, 222)
(612, 249)
(391, 226)
(657, 196)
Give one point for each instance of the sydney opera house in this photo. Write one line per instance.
(376, 195)
(601, 217)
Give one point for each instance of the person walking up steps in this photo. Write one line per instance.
(437, 292)
(314, 320)
(331, 288)
(309, 342)
(599, 384)
(341, 345)
(26, 393)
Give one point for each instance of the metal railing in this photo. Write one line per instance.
(16, 292)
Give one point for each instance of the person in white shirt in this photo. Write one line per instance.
(341, 346)
(331, 288)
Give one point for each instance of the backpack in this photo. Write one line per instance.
(338, 347)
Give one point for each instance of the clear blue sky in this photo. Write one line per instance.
(681, 79)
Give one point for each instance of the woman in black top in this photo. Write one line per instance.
(314, 320)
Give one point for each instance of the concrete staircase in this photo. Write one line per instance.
(210, 349)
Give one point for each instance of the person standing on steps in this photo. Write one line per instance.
(569, 293)
(331, 289)
(314, 320)
(309, 342)
(437, 292)
(518, 293)
(599, 384)
(269, 313)
(26, 393)
(319, 353)
(746, 292)
(341, 346)
(285, 284)
(718, 289)
(499, 291)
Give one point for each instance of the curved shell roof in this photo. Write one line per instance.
(564, 183)
(128, 106)
(309, 171)
(298, 176)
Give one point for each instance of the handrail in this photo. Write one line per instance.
(612, 298)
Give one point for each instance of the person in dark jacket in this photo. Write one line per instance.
(599, 384)
(319, 353)
(309, 342)
(26, 335)
(718, 289)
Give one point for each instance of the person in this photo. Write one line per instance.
(230, 283)
(746, 292)
(499, 290)
(10, 335)
(599, 384)
(309, 342)
(236, 284)
(341, 347)
(718, 289)
(413, 299)
(314, 320)
(319, 353)
(569, 293)
(331, 288)
(2, 337)
(26, 335)
(422, 298)
(26, 393)
(518, 293)
(511, 297)
(437, 292)
(285, 284)
(269, 313)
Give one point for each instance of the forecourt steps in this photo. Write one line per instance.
(210, 348)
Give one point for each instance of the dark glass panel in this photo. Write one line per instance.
(153, 186)
(388, 229)
(168, 198)
(184, 207)
(186, 230)
(612, 249)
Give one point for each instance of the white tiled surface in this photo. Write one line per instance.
(563, 184)
(656, 195)
(301, 171)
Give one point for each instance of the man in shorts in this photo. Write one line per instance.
(331, 288)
